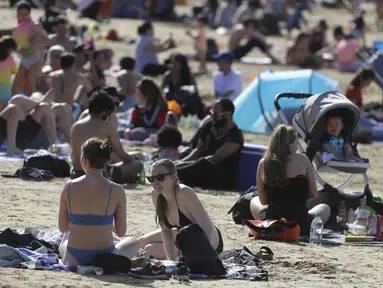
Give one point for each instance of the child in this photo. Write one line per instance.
(30, 39)
(8, 67)
(169, 138)
(362, 79)
(334, 145)
(200, 42)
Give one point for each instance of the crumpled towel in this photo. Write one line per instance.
(10, 257)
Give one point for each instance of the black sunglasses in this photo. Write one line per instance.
(159, 177)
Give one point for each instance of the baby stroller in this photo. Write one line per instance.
(310, 124)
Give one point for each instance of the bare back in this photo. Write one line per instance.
(65, 84)
(91, 195)
(85, 129)
(296, 166)
(127, 81)
(236, 38)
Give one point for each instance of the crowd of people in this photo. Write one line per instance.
(60, 92)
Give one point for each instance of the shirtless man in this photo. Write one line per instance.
(127, 80)
(66, 81)
(61, 36)
(254, 39)
(101, 107)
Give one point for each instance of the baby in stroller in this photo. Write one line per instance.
(334, 144)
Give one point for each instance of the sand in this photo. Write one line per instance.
(31, 204)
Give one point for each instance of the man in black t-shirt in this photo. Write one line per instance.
(213, 163)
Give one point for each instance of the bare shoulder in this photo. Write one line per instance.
(300, 159)
(116, 188)
(186, 192)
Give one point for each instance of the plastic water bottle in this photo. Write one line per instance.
(316, 230)
(342, 214)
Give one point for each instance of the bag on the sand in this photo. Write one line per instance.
(281, 230)
(112, 263)
(199, 255)
(58, 167)
(28, 173)
(241, 209)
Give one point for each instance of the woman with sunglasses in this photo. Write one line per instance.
(176, 206)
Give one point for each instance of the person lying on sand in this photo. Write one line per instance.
(91, 223)
(254, 39)
(176, 206)
(96, 124)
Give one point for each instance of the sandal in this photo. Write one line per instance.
(265, 253)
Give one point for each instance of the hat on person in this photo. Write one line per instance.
(112, 91)
(224, 56)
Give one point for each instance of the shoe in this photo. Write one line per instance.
(182, 272)
(150, 272)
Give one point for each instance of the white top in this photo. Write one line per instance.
(224, 83)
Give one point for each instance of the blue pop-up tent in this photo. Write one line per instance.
(254, 107)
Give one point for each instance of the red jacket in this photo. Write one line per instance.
(152, 118)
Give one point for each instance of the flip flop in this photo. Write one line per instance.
(265, 253)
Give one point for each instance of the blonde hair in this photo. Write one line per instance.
(277, 156)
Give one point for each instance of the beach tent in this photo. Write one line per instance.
(254, 107)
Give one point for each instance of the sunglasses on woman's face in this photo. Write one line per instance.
(158, 177)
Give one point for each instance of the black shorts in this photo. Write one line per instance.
(3, 130)
(27, 132)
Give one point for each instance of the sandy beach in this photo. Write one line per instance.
(33, 204)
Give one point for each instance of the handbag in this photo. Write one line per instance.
(281, 230)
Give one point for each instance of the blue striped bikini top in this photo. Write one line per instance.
(89, 219)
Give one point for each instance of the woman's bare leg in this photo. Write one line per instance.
(44, 116)
(152, 243)
(256, 207)
(33, 74)
(18, 81)
(323, 210)
(12, 114)
(127, 247)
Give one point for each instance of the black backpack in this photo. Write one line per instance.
(241, 209)
(197, 252)
(58, 167)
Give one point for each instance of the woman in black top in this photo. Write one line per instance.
(285, 181)
(175, 83)
(176, 206)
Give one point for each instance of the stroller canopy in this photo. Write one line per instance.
(312, 115)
